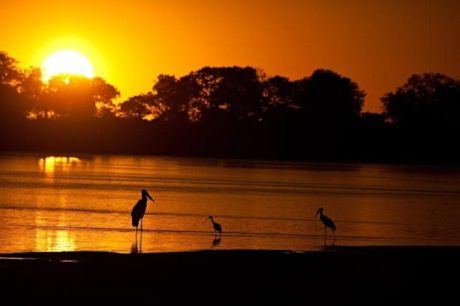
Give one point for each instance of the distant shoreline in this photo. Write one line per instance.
(44, 153)
(372, 249)
(343, 275)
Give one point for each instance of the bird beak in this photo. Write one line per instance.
(148, 195)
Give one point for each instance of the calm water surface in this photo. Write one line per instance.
(73, 203)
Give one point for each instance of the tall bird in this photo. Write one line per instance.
(327, 222)
(216, 226)
(139, 209)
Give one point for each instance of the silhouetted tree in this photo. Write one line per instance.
(77, 97)
(237, 110)
(9, 72)
(32, 89)
(11, 107)
(137, 107)
(103, 95)
(425, 101)
(329, 100)
(231, 112)
(278, 91)
(174, 98)
(233, 90)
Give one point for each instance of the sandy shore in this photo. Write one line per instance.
(367, 276)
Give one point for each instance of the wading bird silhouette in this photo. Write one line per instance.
(327, 223)
(138, 211)
(216, 226)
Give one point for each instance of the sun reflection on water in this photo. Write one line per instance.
(50, 164)
(54, 241)
(49, 239)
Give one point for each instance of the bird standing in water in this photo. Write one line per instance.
(138, 211)
(327, 223)
(216, 226)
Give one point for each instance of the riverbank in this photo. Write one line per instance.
(371, 275)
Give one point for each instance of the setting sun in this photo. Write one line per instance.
(67, 62)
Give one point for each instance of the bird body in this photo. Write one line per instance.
(215, 225)
(327, 222)
(139, 209)
(138, 212)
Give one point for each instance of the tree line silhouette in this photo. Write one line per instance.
(231, 112)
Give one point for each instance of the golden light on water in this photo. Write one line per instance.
(50, 164)
(49, 239)
(54, 241)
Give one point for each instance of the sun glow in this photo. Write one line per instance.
(67, 62)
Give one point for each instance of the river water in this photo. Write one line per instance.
(83, 202)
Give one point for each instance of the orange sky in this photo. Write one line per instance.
(376, 43)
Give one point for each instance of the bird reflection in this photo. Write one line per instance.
(216, 241)
(134, 249)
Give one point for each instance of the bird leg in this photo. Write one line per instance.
(140, 245)
(325, 234)
(136, 239)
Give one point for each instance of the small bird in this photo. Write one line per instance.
(216, 226)
(139, 209)
(327, 222)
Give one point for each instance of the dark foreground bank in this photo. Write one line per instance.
(370, 276)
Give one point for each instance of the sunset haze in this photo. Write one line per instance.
(377, 44)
